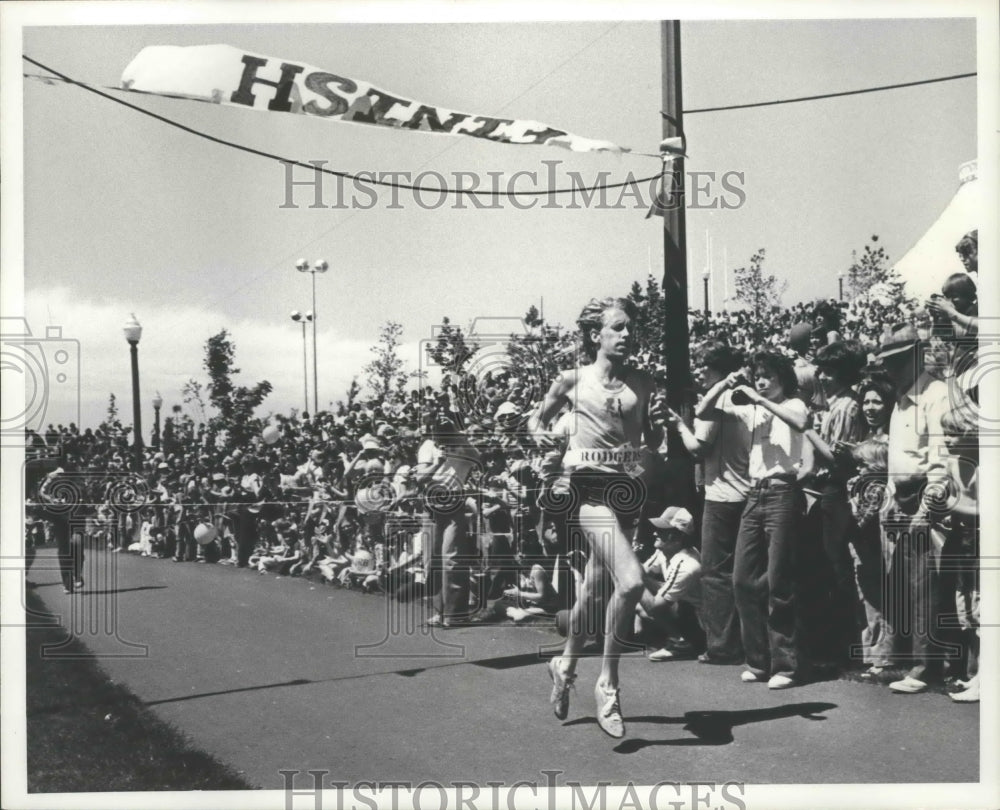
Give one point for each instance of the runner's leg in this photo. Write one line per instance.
(611, 545)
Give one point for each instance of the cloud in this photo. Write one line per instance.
(171, 351)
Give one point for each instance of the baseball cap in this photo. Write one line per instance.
(675, 517)
(507, 409)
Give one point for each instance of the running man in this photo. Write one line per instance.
(613, 427)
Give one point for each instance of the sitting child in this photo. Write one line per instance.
(363, 570)
(319, 548)
(405, 577)
(668, 608)
(281, 557)
(537, 597)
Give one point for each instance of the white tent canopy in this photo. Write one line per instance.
(932, 259)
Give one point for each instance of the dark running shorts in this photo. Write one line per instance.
(620, 493)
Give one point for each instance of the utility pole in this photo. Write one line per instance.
(675, 290)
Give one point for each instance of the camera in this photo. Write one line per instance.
(740, 397)
(48, 369)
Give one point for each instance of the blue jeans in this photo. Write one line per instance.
(719, 528)
(764, 577)
(914, 603)
(831, 582)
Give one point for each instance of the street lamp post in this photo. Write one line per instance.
(157, 404)
(319, 267)
(300, 318)
(704, 281)
(840, 282)
(133, 331)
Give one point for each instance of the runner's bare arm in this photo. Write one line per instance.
(556, 397)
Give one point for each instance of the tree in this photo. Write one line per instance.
(538, 354)
(451, 350)
(386, 375)
(353, 390)
(870, 269)
(112, 415)
(649, 324)
(178, 429)
(235, 403)
(194, 393)
(758, 292)
(112, 426)
(532, 318)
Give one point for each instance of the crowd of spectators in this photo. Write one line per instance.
(337, 496)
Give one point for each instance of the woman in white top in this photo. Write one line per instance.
(765, 558)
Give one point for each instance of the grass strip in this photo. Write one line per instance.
(86, 733)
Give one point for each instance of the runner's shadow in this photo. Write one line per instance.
(86, 592)
(716, 728)
(712, 727)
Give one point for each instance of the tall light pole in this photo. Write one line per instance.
(157, 404)
(133, 331)
(704, 281)
(840, 280)
(319, 267)
(300, 318)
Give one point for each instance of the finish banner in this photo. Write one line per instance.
(222, 74)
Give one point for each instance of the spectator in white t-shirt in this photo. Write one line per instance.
(764, 567)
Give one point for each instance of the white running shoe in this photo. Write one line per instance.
(609, 711)
(561, 684)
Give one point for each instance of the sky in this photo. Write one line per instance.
(123, 214)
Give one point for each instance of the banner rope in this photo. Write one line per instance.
(632, 181)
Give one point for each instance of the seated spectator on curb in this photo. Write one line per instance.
(281, 558)
(405, 577)
(668, 609)
(361, 567)
(537, 597)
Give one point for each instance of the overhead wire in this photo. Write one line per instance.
(828, 95)
(373, 180)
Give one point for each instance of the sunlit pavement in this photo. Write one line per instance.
(275, 673)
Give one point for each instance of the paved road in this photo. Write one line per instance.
(274, 673)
